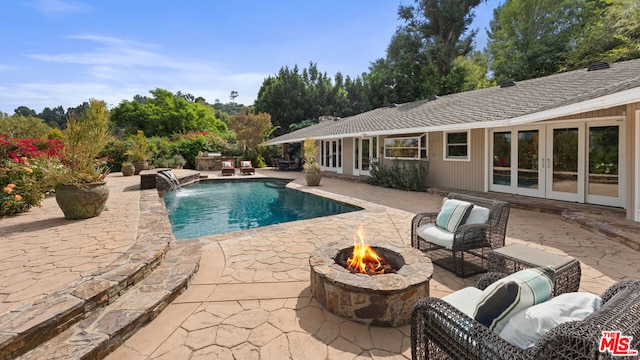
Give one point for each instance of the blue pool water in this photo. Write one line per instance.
(218, 207)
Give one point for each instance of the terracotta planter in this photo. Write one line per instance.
(312, 179)
(82, 202)
(140, 165)
(128, 169)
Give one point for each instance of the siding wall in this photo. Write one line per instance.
(630, 161)
(464, 175)
(614, 111)
(347, 156)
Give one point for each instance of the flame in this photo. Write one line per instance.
(363, 259)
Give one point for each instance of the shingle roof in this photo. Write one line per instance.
(484, 107)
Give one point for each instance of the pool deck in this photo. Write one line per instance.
(242, 295)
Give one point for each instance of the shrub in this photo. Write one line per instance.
(116, 153)
(20, 186)
(15, 149)
(404, 177)
(189, 145)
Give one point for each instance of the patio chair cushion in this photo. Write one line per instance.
(226, 164)
(453, 214)
(478, 215)
(436, 235)
(525, 328)
(464, 299)
(512, 294)
(245, 163)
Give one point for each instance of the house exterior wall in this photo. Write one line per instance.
(347, 156)
(460, 174)
(630, 161)
(614, 111)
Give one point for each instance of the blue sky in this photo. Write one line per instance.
(63, 52)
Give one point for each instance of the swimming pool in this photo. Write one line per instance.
(217, 207)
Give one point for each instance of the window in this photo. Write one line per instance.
(456, 145)
(406, 147)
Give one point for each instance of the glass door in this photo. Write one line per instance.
(517, 163)
(603, 164)
(364, 153)
(332, 155)
(530, 172)
(564, 162)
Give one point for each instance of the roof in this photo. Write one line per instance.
(529, 101)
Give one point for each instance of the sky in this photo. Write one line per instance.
(64, 52)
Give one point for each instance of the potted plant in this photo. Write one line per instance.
(140, 152)
(127, 168)
(177, 161)
(311, 168)
(78, 177)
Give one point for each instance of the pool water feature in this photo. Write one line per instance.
(217, 207)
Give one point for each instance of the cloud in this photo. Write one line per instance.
(55, 7)
(115, 69)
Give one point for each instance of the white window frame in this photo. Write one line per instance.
(420, 148)
(445, 146)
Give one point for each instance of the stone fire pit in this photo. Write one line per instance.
(379, 300)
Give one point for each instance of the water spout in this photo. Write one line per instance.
(169, 177)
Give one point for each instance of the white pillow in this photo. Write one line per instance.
(478, 215)
(525, 328)
(464, 300)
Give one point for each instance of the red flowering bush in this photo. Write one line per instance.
(16, 149)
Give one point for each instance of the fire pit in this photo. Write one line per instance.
(383, 299)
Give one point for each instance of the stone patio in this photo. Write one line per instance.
(250, 297)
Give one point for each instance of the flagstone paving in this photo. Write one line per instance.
(43, 252)
(250, 298)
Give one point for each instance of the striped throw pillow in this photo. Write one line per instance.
(512, 294)
(453, 214)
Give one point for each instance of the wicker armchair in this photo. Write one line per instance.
(471, 242)
(440, 331)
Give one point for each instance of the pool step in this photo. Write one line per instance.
(105, 329)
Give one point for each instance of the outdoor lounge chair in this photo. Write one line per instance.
(463, 243)
(283, 164)
(227, 167)
(246, 167)
(441, 331)
(296, 165)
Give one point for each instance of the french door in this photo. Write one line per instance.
(331, 155)
(577, 162)
(364, 151)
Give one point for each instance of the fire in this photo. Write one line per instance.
(363, 259)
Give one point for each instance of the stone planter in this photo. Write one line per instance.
(312, 179)
(82, 202)
(128, 169)
(140, 165)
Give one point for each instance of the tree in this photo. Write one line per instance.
(233, 96)
(474, 68)
(25, 112)
(251, 130)
(55, 117)
(18, 126)
(440, 26)
(166, 114)
(283, 97)
(611, 33)
(531, 38)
